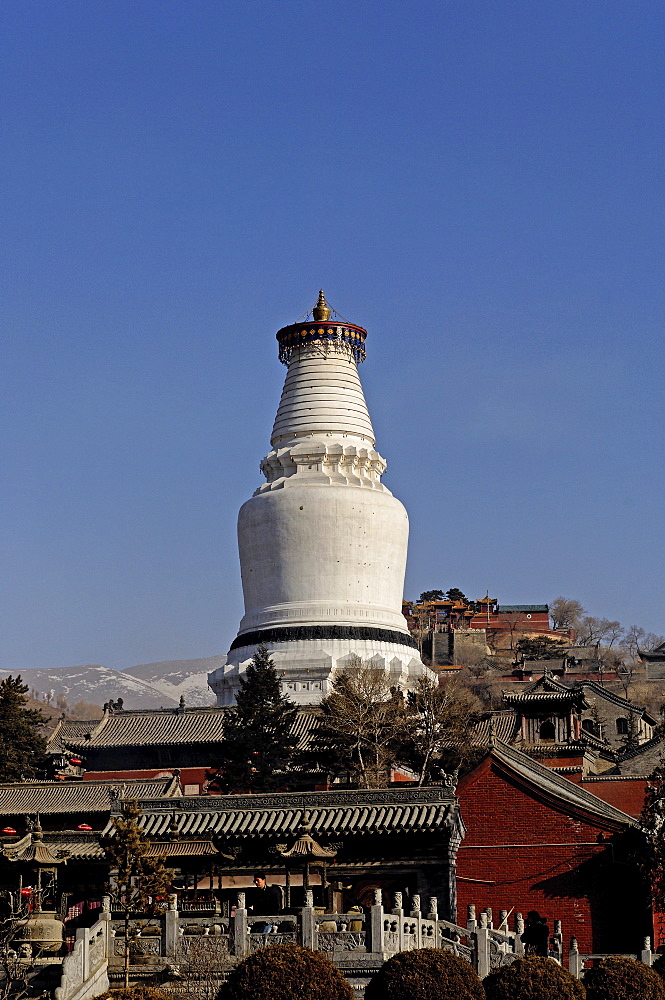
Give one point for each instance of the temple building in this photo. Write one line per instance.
(323, 542)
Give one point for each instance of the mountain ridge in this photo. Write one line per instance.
(146, 685)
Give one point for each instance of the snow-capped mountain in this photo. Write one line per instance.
(180, 677)
(147, 685)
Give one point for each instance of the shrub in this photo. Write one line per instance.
(285, 971)
(623, 979)
(135, 993)
(425, 974)
(533, 978)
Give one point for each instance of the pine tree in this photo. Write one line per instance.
(22, 746)
(139, 876)
(257, 746)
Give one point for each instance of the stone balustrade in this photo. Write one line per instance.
(358, 942)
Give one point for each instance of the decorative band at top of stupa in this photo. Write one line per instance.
(321, 330)
(330, 334)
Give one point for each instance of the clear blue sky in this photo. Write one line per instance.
(480, 184)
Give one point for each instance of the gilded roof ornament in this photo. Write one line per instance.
(321, 311)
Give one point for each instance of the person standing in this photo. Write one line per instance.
(267, 902)
(537, 935)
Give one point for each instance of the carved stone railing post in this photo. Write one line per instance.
(482, 938)
(488, 911)
(646, 955)
(574, 961)
(471, 918)
(399, 913)
(171, 927)
(557, 941)
(240, 932)
(375, 943)
(415, 913)
(519, 931)
(105, 913)
(309, 930)
(82, 936)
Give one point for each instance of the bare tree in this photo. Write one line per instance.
(566, 612)
(439, 722)
(593, 631)
(362, 725)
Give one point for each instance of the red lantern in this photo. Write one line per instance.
(10, 830)
(27, 891)
(84, 826)
(75, 760)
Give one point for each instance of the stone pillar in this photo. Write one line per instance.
(171, 928)
(240, 930)
(574, 961)
(399, 913)
(415, 913)
(82, 939)
(519, 931)
(375, 928)
(557, 941)
(482, 936)
(646, 955)
(308, 917)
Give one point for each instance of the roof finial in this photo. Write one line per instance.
(321, 311)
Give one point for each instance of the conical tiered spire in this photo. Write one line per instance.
(322, 542)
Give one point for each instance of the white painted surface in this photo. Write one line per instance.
(323, 541)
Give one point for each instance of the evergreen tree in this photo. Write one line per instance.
(257, 746)
(138, 875)
(431, 595)
(22, 746)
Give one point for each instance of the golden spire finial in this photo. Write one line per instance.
(321, 311)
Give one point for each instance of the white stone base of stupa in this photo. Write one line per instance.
(307, 668)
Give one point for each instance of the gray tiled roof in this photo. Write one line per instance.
(642, 760)
(69, 731)
(504, 726)
(154, 727)
(547, 782)
(389, 810)
(78, 796)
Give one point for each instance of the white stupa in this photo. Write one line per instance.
(323, 542)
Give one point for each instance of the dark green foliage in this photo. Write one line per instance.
(425, 974)
(22, 747)
(650, 851)
(455, 594)
(257, 747)
(533, 978)
(431, 595)
(285, 972)
(623, 979)
(539, 648)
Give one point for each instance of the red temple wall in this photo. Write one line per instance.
(522, 853)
